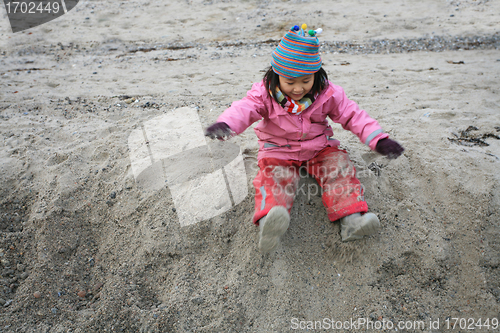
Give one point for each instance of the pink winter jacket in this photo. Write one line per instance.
(300, 137)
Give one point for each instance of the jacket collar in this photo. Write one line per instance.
(322, 98)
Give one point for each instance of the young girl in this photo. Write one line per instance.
(293, 101)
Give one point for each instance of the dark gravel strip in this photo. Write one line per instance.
(383, 46)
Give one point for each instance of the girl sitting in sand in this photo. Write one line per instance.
(293, 100)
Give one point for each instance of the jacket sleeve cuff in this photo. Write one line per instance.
(373, 138)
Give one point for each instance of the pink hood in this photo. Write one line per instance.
(300, 137)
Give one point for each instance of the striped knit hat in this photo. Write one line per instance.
(297, 53)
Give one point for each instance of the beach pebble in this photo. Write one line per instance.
(197, 300)
(97, 286)
(2, 302)
(37, 294)
(82, 293)
(112, 195)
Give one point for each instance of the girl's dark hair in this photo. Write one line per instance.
(271, 80)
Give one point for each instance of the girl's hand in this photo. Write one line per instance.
(389, 148)
(220, 131)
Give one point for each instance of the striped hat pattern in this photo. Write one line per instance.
(297, 54)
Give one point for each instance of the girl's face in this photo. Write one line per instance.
(298, 87)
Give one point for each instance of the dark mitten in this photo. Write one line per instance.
(389, 148)
(220, 131)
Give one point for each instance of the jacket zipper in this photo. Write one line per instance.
(301, 128)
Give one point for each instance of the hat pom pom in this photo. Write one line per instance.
(302, 30)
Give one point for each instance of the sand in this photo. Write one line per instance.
(85, 248)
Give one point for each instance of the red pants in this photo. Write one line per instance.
(277, 181)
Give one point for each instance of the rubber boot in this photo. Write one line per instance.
(356, 226)
(272, 226)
